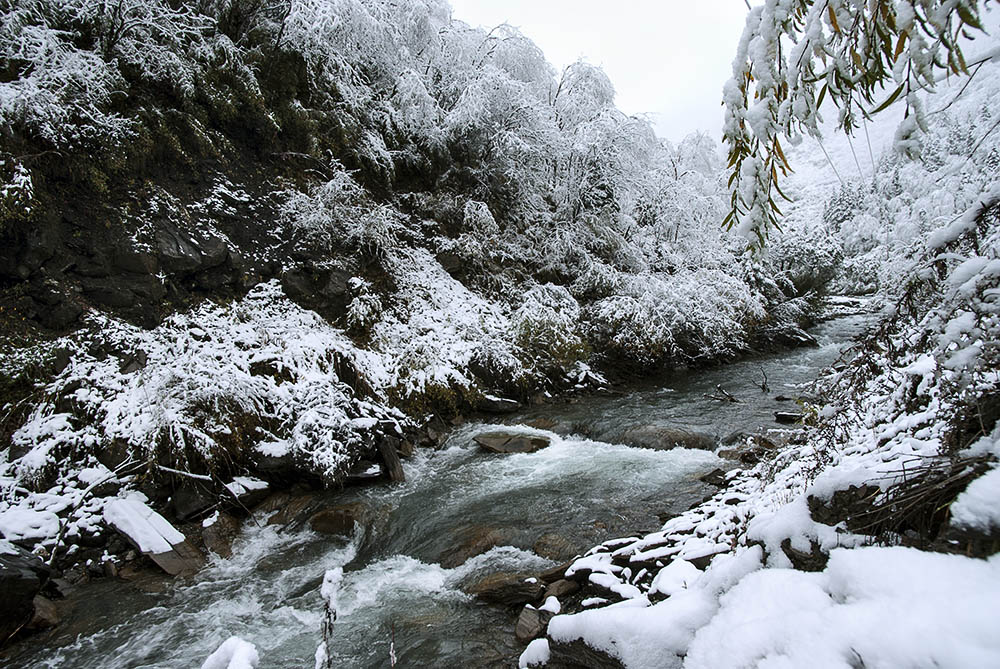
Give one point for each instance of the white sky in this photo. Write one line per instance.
(667, 58)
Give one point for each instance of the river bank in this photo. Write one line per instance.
(493, 514)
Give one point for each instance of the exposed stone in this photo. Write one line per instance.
(492, 404)
(22, 575)
(510, 442)
(561, 588)
(543, 423)
(788, 417)
(471, 542)
(179, 252)
(219, 536)
(183, 560)
(663, 438)
(133, 362)
(556, 573)
(576, 654)
(702, 561)
(814, 560)
(554, 547)
(190, 499)
(287, 507)
(45, 615)
(363, 472)
(508, 589)
(716, 477)
(531, 624)
(154, 536)
(338, 520)
(387, 448)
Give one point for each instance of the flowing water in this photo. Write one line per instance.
(577, 492)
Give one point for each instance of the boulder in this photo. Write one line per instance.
(471, 542)
(531, 624)
(561, 588)
(578, 654)
(555, 573)
(664, 438)
(554, 547)
(788, 417)
(363, 472)
(181, 253)
(285, 508)
(220, 534)
(511, 442)
(508, 589)
(716, 477)
(338, 520)
(246, 491)
(45, 616)
(191, 498)
(22, 576)
(491, 404)
(388, 449)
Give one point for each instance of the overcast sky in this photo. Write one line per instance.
(668, 58)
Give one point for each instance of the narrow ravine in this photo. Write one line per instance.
(405, 570)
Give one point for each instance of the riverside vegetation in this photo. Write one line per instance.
(253, 247)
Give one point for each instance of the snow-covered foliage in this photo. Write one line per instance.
(908, 423)
(795, 53)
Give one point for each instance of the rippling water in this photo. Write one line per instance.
(580, 489)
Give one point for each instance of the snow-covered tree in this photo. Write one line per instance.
(863, 55)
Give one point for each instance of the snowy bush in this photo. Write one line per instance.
(546, 325)
(688, 315)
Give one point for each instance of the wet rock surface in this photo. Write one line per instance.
(508, 589)
(22, 576)
(510, 442)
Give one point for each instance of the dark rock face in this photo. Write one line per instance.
(219, 536)
(814, 560)
(531, 624)
(716, 477)
(562, 588)
(507, 442)
(554, 547)
(22, 576)
(788, 417)
(576, 654)
(338, 520)
(664, 438)
(45, 616)
(508, 589)
(472, 542)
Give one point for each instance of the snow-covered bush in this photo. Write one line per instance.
(547, 323)
(680, 317)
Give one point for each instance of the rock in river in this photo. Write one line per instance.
(511, 442)
(22, 575)
(508, 589)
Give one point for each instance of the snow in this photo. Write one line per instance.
(147, 529)
(241, 485)
(551, 604)
(20, 524)
(234, 653)
(875, 607)
(675, 577)
(978, 506)
(536, 654)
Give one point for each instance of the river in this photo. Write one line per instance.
(571, 495)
